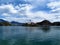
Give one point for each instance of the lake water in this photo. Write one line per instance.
(18, 35)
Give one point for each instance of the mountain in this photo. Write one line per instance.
(45, 22)
(30, 24)
(14, 23)
(4, 23)
(1, 20)
(56, 23)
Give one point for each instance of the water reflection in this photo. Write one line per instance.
(45, 28)
(16, 35)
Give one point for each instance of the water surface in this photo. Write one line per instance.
(18, 35)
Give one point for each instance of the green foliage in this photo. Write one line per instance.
(5, 24)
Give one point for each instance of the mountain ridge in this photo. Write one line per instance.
(42, 23)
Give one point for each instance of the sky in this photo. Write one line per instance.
(34, 10)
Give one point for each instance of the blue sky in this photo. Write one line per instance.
(25, 10)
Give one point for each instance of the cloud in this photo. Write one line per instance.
(22, 20)
(11, 11)
(52, 15)
(30, 10)
(8, 8)
(55, 6)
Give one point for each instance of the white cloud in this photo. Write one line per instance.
(9, 7)
(5, 14)
(11, 13)
(55, 6)
(24, 10)
(23, 13)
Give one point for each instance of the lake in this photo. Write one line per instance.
(19, 35)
